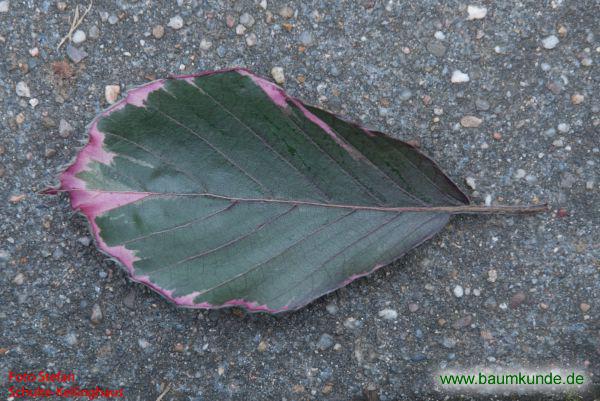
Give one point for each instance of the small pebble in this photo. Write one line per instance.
(64, 128)
(111, 93)
(436, 48)
(94, 32)
(85, 241)
(240, 29)
(462, 322)
(459, 77)
(482, 104)
(439, 35)
(584, 307)
(20, 118)
(550, 42)
(286, 12)
(96, 314)
(306, 38)
(71, 339)
(34, 102)
(251, 39)
(75, 54)
(577, 98)
(175, 22)
(332, 309)
(22, 89)
(517, 299)
(520, 173)
(471, 182)
(325, 342)
(413, 307)
(247, 20)
(470, 121)
(19, 279)
(327, 388)
(78, 37)
(143, 343)
(262, 346)
(34, 52)
(388, 314)
(449, 342)
(458, 291)
(563, 127)
(113, 19)
(277, 74)
(158, 31)
(4, 6)
(476, 12)
(205, 44)
(352, 323)
(405, 94)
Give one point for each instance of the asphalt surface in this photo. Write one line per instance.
(502, 291)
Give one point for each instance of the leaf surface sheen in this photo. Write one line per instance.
(219, 189)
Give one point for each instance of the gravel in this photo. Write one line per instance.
(550, 42)
(78, 36)
(22, 89)
(388, 314)
(278, 75)
(459, 77)
(247, 20)
(476, 12)
(72, 309)
(176, 22)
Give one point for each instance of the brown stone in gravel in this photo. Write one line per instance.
(297, 388)
(463, 322)
(584, 307)
(96, 316)
(517, 299)
(371, 393)
(577, 98)
(158, 31)
(487, 335)
(229, 21)
(16, 198)
(470, 121)
(327, 389)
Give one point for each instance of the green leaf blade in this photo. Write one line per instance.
(221, 190)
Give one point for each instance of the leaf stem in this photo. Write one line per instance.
(478, 209)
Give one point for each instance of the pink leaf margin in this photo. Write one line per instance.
(92, 203)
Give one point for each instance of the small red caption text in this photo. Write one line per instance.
(59, 384)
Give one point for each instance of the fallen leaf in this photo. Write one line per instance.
(219, 189)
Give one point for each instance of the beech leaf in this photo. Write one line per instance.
(218, 189)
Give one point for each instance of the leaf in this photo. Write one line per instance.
(218, 189)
